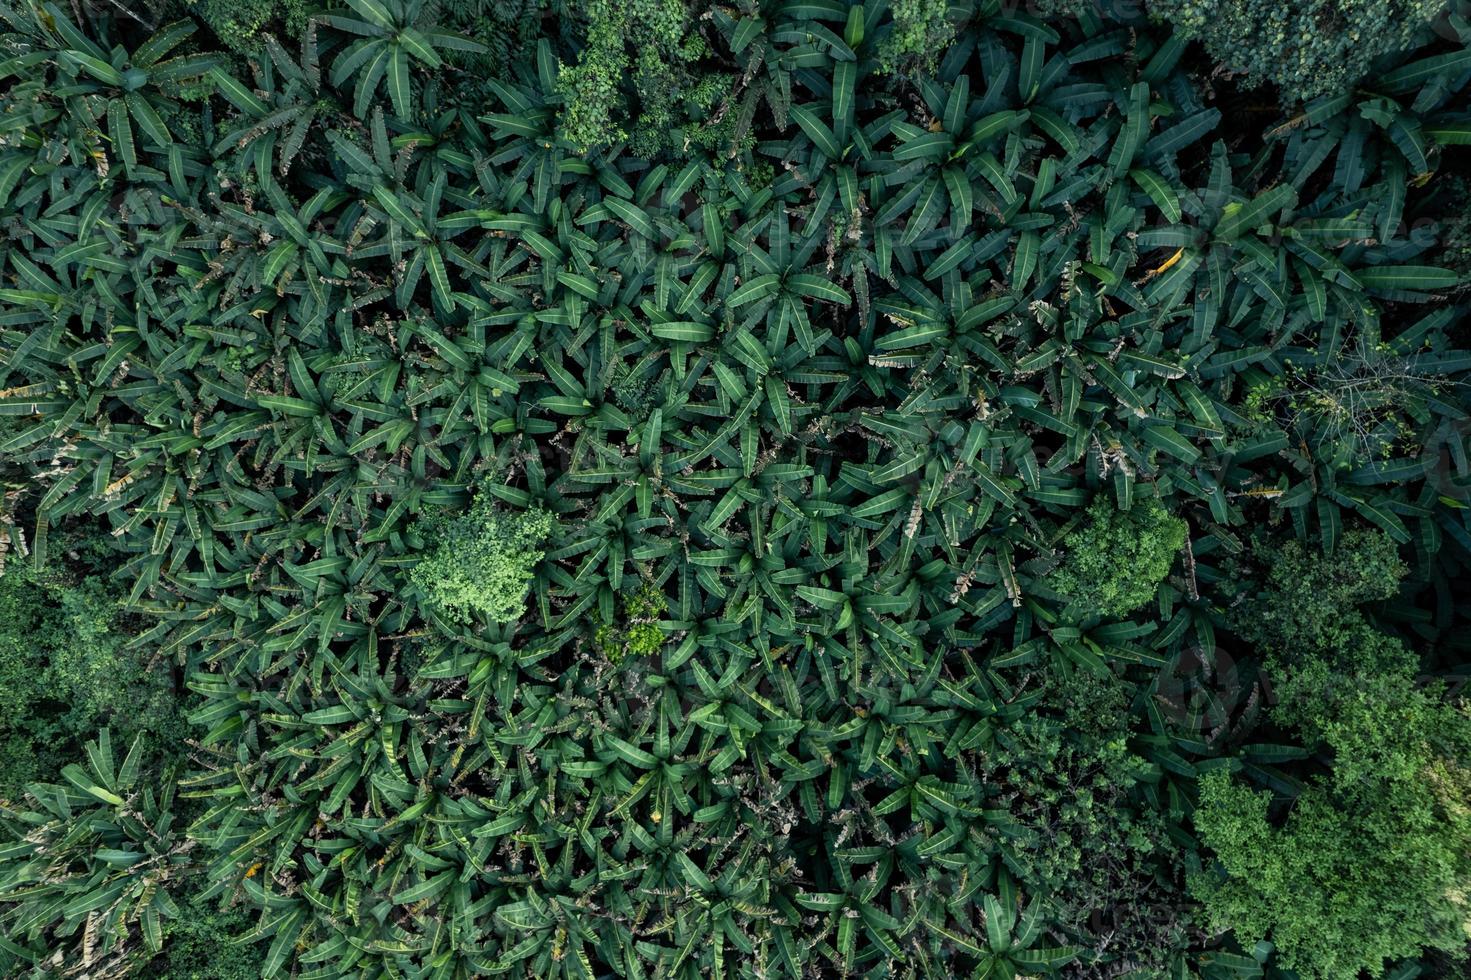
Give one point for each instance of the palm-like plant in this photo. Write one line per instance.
(91, 865)
(389, 43)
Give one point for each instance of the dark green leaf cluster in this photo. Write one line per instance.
(1309, 602)
(201, 943)
(88, 873)
(1454, 234)
(1306, 48)
(240, 24)
(1069, 819)
(66, 669)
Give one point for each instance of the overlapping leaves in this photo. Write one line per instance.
(838, 400)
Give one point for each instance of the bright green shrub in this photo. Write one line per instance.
(30, 720)
(654, 43)
(1373, 860)
(24, 623)
(637, 634)
(1114, 563)
(921, 31)
(1361, 701)
(1306, 48)
(1353, 877)
(481, 563)
(1379, 728)
(646, 71)
(1341, 683)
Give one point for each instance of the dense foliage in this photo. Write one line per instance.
(1307, 48)
(1115, 562)
(482, 563)
(1370, 859)
(65, 670)
(782, 488)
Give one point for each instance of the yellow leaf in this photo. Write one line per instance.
(1169, 262)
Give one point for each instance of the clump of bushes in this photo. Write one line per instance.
(922, 29)
(1359, 873)
(240, 24)
(1114, 562)
(638, 633)
(481, 563)
(1309, 598)
(657, 44)
(1372, 860)
(66, 669)
(1064, 776)
(1306, 48)
(201, 943)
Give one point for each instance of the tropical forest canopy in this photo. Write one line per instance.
(752, 489)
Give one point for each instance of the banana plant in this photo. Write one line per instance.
(778, 290)
(1011, 946)
(388, 45)
(280, 111)
(419, 213)
(854, 909)
(90, 867)
(110, 92)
